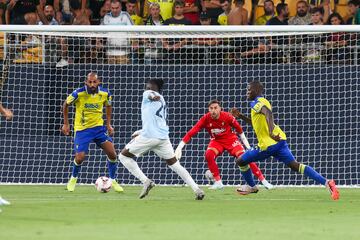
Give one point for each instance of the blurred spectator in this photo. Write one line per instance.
(191, 10)
(303, 17)
(3, 6)
(316, 16)
(166, 8)
(238, 15)
(269, 12)
(98, 8)
(337, 42)
(178, 18)
(142, 9)
(173, 49)
(207, 50)
(154, 18)
(353, 7)
(118, 48)
(213, 9)
(49, 14)
(324, 5)
(254, 50)
(223, 18)
(130, 8)
(80, 12)
(23, 12)
(282, 10)
(153, 46)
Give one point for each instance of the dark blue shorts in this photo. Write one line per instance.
(83, 138)
(280, 151)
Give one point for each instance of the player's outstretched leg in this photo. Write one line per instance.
(247, 176)
(210, 156)
(125, 158)
(259, 175)
(185, 175)
(311, 173)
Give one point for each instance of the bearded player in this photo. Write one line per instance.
(219, 125)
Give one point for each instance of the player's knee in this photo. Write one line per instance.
(125, 152)
(112, 157)
(294, 166)
(171, 161)
(240, 162)
(79, 158)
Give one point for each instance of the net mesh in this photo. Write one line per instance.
(311, 79)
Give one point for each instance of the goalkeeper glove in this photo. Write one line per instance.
(178, 150)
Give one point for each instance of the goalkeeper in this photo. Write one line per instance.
(219, 125)
(271, 142)
(89, 126)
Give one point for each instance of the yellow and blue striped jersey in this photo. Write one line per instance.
(260, 125)
(89, 107)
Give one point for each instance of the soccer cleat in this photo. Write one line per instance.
(148, 185)
(199, 194)
(4, 202)
(71, 184)
(246, 190)
(116, 186)
(218, 185)
(331, 186)
(267, 185)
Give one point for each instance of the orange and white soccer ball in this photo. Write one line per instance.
(103, 184)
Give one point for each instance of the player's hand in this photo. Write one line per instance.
(178, 151)
(110, 130)
(156, 98)
(65, 129)
(275, 137)
(235, 112)
(8, 114)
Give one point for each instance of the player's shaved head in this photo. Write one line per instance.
(92, 75)
(255, 89)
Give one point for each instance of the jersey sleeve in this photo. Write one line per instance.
(108, 99)
(72, 97)
(235, 124)
(147, 94)
(194, 130)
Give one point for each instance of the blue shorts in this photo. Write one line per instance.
(280, 151)
(84, 137)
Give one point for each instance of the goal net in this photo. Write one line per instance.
(311, 77)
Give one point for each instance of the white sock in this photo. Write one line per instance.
(185, 175)
(133, 167)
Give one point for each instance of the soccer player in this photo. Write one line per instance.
(219, 125)
(271, 142)
(89, 126)
(8, 116)
(154, 136)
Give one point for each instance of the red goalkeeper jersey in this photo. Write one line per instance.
(219, 129)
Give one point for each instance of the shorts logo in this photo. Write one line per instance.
(236, 143)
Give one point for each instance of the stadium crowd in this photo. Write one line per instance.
(188, 12)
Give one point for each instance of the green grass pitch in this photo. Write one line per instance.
(51, 213)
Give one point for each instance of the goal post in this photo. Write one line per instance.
(310, 74)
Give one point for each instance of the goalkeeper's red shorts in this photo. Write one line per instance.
(233, 146)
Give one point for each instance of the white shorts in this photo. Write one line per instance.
(161, 147)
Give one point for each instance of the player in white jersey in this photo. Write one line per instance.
(154, 136)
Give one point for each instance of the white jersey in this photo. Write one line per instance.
(123, 19)
(153, 116)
